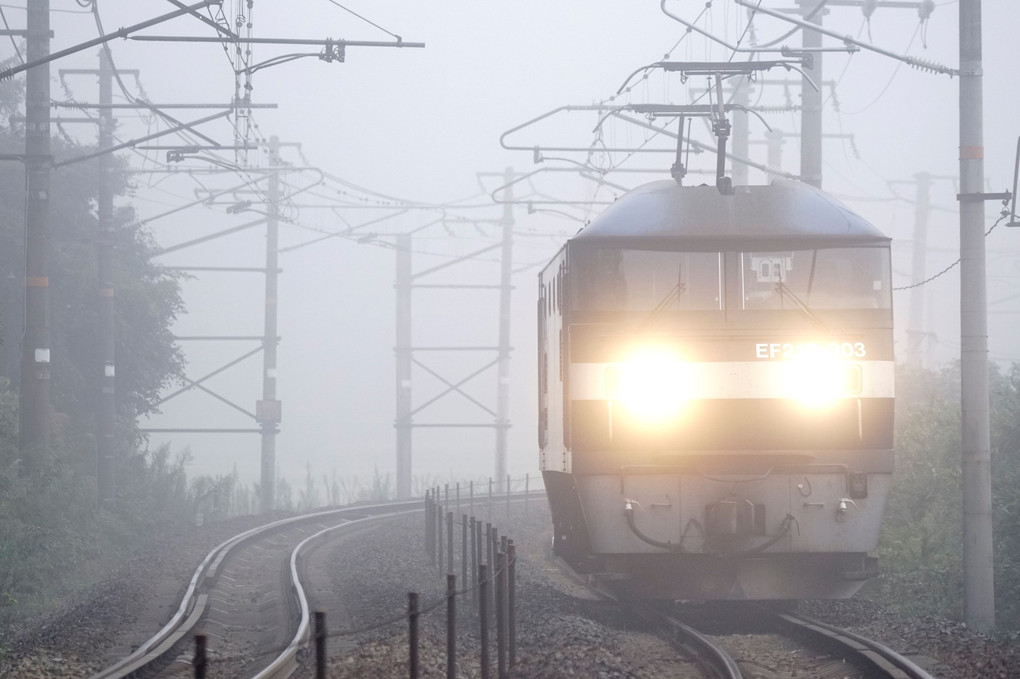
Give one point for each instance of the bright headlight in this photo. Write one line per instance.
(652, 384)
(816, 382)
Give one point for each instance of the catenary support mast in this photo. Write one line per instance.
(979, 587)
(268, 410)
(106, 412)
(403, 423)
(503, 351)
(35, 351)
(811, 100)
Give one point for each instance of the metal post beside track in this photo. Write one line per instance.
(449, 542)
(527, 483)
(501, 670)
(488, 544)
(201, 661)
(483, 616)
(439, 542)
(412, 633)
(463, 548)
(511, 603)
(475, 527)
(430, 528)
(320, 645)
(451, 626)
(492, 542)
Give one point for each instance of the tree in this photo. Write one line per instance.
(49, 522)
(920, 551)
(148, 296)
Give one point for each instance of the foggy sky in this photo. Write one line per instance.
(421, 124)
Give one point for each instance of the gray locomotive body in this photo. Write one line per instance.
(716, 393)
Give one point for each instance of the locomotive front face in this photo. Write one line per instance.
(717, 422)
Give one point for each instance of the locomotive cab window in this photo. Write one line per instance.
(647, 281)
(817, 279)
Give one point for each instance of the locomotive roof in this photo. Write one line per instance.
(782, 214)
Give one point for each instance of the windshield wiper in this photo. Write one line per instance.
(784, 291)
(672, 296)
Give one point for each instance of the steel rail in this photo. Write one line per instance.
(285, 663)
(194, 601)
(875, 654)
(714, 655)
(703, 650)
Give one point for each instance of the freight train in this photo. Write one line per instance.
(716, 393)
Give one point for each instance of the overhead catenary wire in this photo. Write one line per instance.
(1003, 215)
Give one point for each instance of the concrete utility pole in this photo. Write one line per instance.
(106, 412)
(34, 416)
(503, 351)
(268, 411)
(979, 581)
(403, 423)
(811, 99)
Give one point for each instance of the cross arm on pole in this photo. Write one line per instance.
(222, 30)
(8, 73)
(194, 383)
(134, 142)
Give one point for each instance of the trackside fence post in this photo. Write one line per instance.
(501, 615)
(483, 617)
(320, 645)
(449, 542)
(490, 560)
(451, 626)
(412, 633)
(439, 542)
(475, 561)
(464, 549)
(511, 603)
(430, 529)
(200, 662)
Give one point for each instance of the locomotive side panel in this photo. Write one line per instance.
(554, 455)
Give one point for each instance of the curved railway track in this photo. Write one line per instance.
(245, 603)
(870, 658)
(249, 598)
(875, 657)
(710, 651)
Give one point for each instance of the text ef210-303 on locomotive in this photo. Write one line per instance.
(716, 393)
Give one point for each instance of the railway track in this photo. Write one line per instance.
(836, 648)
(245, 603)
(843, 653)
(875, 657)
(252, 596)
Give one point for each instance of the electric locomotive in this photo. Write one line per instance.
(716, 393)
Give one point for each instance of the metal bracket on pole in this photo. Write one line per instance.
(1016, 172)
(977, 197)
